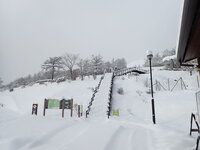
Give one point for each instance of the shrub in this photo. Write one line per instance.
(120, 91)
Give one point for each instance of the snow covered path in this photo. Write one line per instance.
(39, 133)
(100, 105)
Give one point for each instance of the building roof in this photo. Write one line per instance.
(189, 40)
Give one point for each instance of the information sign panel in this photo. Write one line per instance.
(68, 104)
(53, 104)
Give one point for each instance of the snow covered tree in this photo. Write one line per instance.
(169, 52)
(108, 66)
(80, 66)
(97, 64)
(121, 63)
(87, 67)
(84, 67)
(52, 65)
(69, 61)
(118, 63)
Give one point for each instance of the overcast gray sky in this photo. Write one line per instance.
(33, 30)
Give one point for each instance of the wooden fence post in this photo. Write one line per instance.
(44, 107)
(79, 113)
(63, 107)
(71, 107)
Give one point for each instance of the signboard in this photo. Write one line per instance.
(53, 104)
(116, 112)
(198, 104)
(34, 109)
(68, 104)
(58, 104)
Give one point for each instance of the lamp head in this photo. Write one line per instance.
(149, 54)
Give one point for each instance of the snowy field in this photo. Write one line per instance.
(132, 130)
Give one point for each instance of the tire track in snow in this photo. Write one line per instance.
(95, 138)
(57, 135)
(142, 139)
(120, 140)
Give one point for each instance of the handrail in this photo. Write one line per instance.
(129, 70)
(93, 96)
(120, 73)
(110, 95)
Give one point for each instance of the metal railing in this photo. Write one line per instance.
(110, 96)
(120, 73)
(93, 96)
(129, 70)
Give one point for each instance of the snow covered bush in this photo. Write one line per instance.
(120, 91)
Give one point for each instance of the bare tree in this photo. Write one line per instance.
(84, 67)
(70, 60)
(97, 64)
(118, 63)
(80, 65)
(53, 64)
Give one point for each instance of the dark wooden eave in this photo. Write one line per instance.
(189, 40)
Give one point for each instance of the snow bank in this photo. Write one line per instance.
(21, 99)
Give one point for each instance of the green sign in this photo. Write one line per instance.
(53, 104)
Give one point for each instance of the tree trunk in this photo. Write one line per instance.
(81, 76)
(71, 74)
(52, 75)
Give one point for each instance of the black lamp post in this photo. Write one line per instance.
(150, 56)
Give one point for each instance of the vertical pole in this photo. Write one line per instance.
(79, 113)
(198, 81)
(44, 107)
(63, 107)
(168, 85)
(81, 110)
(71, 107)
(152, 100)
(181, 83)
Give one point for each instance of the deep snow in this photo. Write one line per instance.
(133, 129)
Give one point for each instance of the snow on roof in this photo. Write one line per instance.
(167, 58)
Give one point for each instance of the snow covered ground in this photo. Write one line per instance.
(132, 130)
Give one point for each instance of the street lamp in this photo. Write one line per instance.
(150, 56)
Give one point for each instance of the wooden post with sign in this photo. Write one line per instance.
(63, 107)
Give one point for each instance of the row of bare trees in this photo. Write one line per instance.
(68, 66)
(75, 66)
